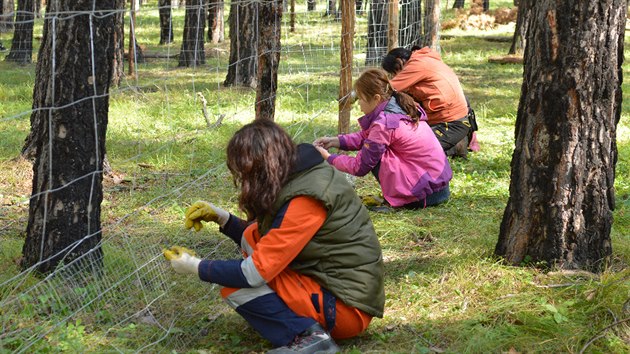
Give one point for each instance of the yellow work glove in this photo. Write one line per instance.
(204, 211)
(182, 260)
(372, 200)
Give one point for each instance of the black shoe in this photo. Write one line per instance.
(314, 340)
(381, 209)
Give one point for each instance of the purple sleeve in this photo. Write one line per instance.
(352, 141)
(225, 273)
(368, 157)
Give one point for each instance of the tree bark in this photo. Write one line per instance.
(292, 17)
(22, 43)
(410, 32)
(118, 63)
(270, 20)
(432, 24)
(522, 25)
(216, 25)
(393, 24)
(458, 4)
(166, 21)
(331, 9)
(69, 123)
(563, 167)
(377, 32)
(192, 52)
(345, 75)
(7, 15)
(311, 5)
(243, 21)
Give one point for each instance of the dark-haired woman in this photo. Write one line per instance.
(395, 143)
(313, 267)
(421, 73)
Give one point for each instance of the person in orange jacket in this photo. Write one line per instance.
(313, 266)
(421, 73)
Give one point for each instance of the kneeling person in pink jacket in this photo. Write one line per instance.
(395, 143)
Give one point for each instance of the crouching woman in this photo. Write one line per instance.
(312, 268)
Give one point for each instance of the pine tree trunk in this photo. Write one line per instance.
(270, 20)
(7, 15)
(166, 21)
(432, 24)
(68, 123)
(118, 64)
(563, 167)
(377, 33)
(22, 43)
(522, 24)
(243, 22)
(331, 9)
(345, 72)
(216, 26)
(192, 52)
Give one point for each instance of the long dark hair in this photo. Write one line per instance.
(374, 81)
(260, 157)
(390, 62)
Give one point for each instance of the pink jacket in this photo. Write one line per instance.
(413, 164)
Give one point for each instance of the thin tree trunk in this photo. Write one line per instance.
(331, 9)
(292, 18)
(270, 20)
(22, 43)
(392, 24)
(69, 123)
(243, 48)
(519, 39)
(166, 21)
(345, 77)
(192, 52)
(216, 25)
(458, 4)
(563, 167)
(7, 15)
(118, 64)
(432, 24)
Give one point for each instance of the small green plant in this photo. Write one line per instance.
(72, 337)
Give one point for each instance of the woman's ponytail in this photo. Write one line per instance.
(408, 104)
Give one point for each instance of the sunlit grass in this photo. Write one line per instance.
(445, 289)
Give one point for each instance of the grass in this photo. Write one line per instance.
(446, 292)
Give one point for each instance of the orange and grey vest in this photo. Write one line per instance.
(344, 256)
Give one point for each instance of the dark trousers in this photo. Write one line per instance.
(451, 133)
(273, 319)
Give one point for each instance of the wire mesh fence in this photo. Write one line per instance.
(127, 282)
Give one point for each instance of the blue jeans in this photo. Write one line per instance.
(433, 199)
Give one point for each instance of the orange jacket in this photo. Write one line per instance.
(432, 83)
